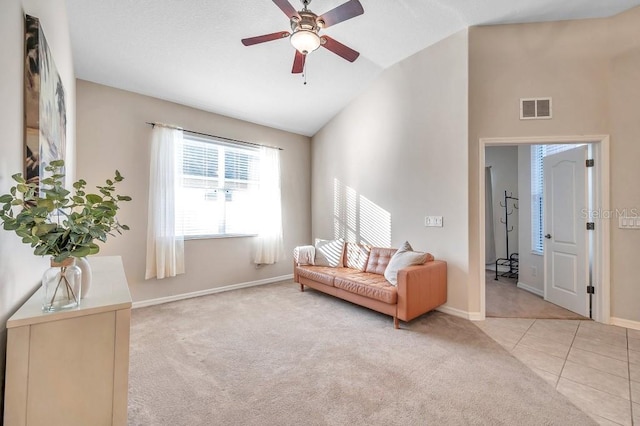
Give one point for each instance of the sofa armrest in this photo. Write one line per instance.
(421, 288)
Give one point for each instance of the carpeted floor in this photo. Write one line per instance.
(272, 355)
(505, 300)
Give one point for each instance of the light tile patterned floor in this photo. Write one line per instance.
(595, 366)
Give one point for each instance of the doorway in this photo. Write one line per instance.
(600, 236)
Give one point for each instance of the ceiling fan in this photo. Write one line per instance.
(306, 26)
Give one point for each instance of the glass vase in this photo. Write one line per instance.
(61, 285)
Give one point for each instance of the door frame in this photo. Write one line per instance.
(601, 203)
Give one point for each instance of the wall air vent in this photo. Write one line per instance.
(535, 109)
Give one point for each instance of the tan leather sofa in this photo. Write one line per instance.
(420, 288)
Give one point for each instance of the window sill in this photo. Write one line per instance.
(216, 237)
(537, 253)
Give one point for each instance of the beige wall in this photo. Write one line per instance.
(504, 172)
(112, 134)
(624, 98)
(589, 68)
(400, 151)
(21, 270)
(563, 60)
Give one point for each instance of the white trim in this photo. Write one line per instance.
(602, 260)
(482, 256)
(476, 316)
(530, 289)
(602, 256)
(620, 322)
(473, 316)
(174, 298)
(543, 140)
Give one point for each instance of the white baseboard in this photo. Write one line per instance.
(476, 316)
(530, 289)
(161, 300)
(473, 316)
(620, 322)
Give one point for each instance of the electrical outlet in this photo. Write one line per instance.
(433, 221)
(534, 271)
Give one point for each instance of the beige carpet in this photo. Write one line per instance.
(505, 300)
(272, 355)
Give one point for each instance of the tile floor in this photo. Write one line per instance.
(595, 366)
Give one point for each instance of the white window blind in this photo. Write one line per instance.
(217, 194)
(538, 152)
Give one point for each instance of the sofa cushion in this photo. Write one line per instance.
(379, 259)
(373, 286)
(329, 252)
(404, 257)
(356, 256)
(322, 274)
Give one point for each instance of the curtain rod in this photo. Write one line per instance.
(213, 136)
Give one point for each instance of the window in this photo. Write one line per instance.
(538, 152)
(217, 192)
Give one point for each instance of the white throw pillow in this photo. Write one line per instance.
(405, 256)
(329, 252)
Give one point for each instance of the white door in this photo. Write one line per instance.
(565, 249)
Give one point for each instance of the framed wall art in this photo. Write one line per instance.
(44, 104)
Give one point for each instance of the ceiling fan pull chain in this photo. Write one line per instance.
(304, 73)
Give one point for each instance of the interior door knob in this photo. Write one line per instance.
(548, 236)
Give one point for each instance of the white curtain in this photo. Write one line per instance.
(269, 244)
(489, 233)
(165, 245)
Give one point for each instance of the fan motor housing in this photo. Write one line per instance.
(308, 21)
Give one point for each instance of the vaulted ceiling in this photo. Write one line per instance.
(189, 51)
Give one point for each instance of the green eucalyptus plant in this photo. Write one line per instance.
(58, 223)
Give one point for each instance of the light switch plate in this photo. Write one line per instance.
(628, 222)
(433, 221)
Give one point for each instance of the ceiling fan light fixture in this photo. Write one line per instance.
(305, 41)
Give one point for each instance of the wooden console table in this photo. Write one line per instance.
(71, 367)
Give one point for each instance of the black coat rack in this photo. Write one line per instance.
(511, 260)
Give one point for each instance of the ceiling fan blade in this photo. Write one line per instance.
(286, 7)
(263, 38)
(339, 49)
(298, 63)
(345, 11)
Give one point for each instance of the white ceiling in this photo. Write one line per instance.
(189, 51)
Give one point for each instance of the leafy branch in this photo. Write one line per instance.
(58, 223)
